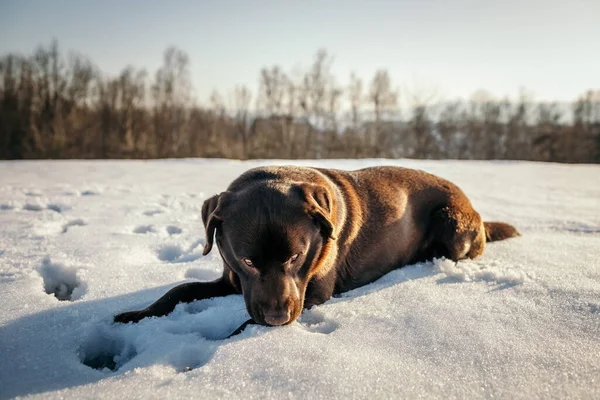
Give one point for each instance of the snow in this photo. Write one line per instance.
(83, 240)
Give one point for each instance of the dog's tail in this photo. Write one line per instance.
(499, 231)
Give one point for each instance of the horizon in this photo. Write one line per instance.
(484, 50)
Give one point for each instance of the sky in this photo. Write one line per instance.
(447, 49)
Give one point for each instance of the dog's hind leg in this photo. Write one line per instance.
(185, 293)
(456, 233)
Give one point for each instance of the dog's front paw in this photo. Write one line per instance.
(241, 328)
(129, 316)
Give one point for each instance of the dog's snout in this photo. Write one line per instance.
(277, 318)
(275, 303)
(276, 312)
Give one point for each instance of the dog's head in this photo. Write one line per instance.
(274, 239)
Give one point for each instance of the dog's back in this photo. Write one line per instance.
(393, 212)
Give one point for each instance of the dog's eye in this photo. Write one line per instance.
(294, 257)
(248, 262)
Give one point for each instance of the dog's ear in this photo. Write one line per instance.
(212, 217)
(319, 206)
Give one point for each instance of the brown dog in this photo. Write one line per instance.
(291, 237)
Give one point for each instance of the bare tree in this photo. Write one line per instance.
(384, 99)
(584, 143)
(171, 96)
(270, 127)
(354, 135)
(289, 126)
(519, 140)
(548, 143)
(242, 100)
(131, 87)
(317, 84)
(217, 137)
(355, 94)
(272, 90)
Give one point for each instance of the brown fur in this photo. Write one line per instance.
(348, 228)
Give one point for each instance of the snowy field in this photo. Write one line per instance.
(522, 321)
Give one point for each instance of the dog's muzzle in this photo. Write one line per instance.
(277, 318)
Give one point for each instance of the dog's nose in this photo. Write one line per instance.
(277, 318)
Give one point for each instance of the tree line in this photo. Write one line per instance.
(57, 106)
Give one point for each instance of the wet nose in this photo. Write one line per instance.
(277, 318)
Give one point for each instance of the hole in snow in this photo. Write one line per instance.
(176, 254)
(144, 229)
(169, 253)
(173, 230)
(61, 281)
(152, 212)
(191, 357)
(104, 349)
(56, 207)
(315, 321)
(32, 207)
(39, 207)
(75, 222)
